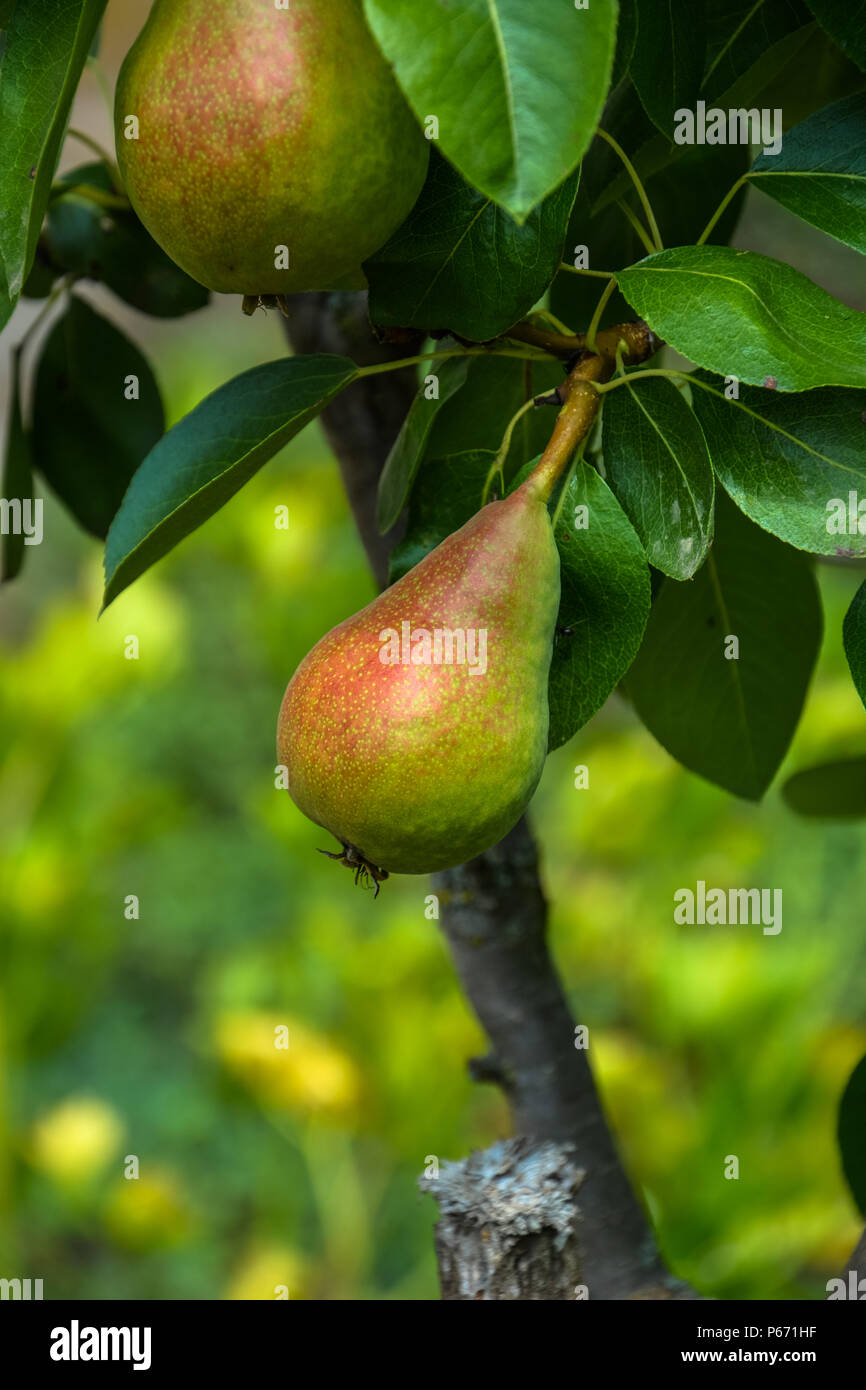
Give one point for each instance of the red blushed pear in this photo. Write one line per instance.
(273, 150)
(416, 764)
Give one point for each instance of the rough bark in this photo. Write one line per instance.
(509, 1222)
(494, 916)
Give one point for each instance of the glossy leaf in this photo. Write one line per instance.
(46, 48)
(829, 791)
(211, 453)
(96, 413)
(461, 263)
(516, 88)
(741, 314)
(790, 462)
(731, 718)
(656, 462)
(820, 173)
(668, 60)
(854, 635)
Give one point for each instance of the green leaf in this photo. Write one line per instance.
(16, 484)
(113, 246)
(668, 60)
(626, 36)
(741, 314)
(446, 494)
(516, 88)
(407, 450)
(829, 791)
(845, 22)
(731, 720)
(478, 415)
(656, 462)
(854, 636)
(90, 428)
(47, 46)
(211, 453)
(820, 173)
(604, 607)
(460, 263)
(790, 462)
(743, 35)
(852, 1134)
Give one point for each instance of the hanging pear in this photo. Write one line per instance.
(416, 731)
(267, 148)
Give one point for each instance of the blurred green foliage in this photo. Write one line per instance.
(153, 1036)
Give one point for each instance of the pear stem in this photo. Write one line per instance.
(580, 392)
(573, 424)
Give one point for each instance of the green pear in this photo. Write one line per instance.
(267, 150)
(416, 731)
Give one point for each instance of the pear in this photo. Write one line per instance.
(419, 751)
(271, 149)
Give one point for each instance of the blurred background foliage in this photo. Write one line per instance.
(153, 1036)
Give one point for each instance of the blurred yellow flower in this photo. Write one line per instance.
(286, 1064)
(268, 1272)
(150, 1212)
(75, 1139)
